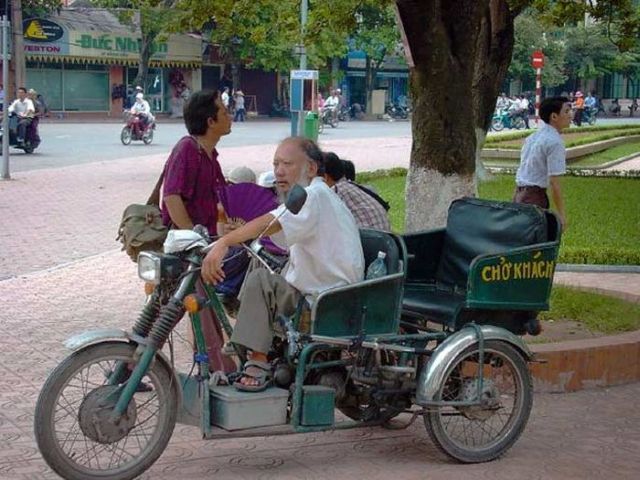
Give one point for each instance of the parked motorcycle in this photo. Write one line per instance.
(368, 349)
(32, 137)
(502, 118)
(397, 111)
(136, 129)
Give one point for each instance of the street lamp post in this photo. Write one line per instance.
(6, 175)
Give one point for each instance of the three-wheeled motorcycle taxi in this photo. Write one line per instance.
(438, 337)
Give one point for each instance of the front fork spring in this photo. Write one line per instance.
(147, 316)
(170, 315)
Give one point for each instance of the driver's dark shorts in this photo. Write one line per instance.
(532, 194)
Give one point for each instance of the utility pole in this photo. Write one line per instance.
(18, 44)
(304, 8)
(5, 114)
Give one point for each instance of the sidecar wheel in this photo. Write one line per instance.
(73, 428)
(475, 434)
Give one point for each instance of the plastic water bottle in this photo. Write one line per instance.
(378, 268)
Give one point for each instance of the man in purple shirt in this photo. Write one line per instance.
(192, 174)
(192, 177)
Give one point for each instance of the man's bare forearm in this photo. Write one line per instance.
(178, 212)
(558, 201)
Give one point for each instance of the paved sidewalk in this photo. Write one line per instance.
(54, 216)
(591, 434)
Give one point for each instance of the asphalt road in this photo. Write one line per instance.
(65, 144)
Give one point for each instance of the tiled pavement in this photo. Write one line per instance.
(51, 217)
(590, 434)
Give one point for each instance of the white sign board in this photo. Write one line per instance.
(304, 74)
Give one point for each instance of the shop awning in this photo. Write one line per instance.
(97, 36)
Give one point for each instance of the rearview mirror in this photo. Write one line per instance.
(295, 199)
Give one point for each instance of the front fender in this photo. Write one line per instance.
(92, 337)
(433, 373)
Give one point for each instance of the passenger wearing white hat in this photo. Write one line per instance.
(267, 179)
(241, 175)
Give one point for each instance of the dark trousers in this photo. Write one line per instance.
(239, 115)
(533, 195)
(577, 117)
(23, 123)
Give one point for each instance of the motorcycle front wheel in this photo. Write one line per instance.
(480, 433)
(74, 429)
(125, 136)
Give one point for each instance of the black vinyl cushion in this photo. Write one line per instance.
(477, 227)
(427, 299)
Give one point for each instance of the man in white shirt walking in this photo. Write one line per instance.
(543, 158)
(325, 252)
(24, 109)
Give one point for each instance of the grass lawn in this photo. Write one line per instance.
(604, 214)
(599, 313)
(606, 156)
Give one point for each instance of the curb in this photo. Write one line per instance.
(583, 364)
(592, 268)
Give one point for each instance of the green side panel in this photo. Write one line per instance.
(340, 312)
(191, 406)
(317, 405)
(518, 280)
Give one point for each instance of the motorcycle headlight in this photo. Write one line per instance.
(149, 267)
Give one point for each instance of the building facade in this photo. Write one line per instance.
(85, 60)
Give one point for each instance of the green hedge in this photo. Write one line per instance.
(608, 132)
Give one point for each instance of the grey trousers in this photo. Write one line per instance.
(264, 297)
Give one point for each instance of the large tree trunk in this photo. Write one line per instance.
(461, 50)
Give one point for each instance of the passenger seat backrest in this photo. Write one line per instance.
(374, 241)
(478, 227)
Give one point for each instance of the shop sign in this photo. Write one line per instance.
(114, 43)
(40, 30)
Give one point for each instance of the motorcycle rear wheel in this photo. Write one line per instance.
(497, 124)
(475, 434)
(125, 136)
(73, 411)
(147, 138)
(518, 123)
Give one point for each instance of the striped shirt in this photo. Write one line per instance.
(365, 209)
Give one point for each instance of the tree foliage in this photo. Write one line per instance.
(38, 8)
(155, 17)
(531, 35)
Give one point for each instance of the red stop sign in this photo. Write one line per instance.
(537, 59)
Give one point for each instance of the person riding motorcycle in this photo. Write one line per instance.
(24, 109)
(333, 102)
(143, 110)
